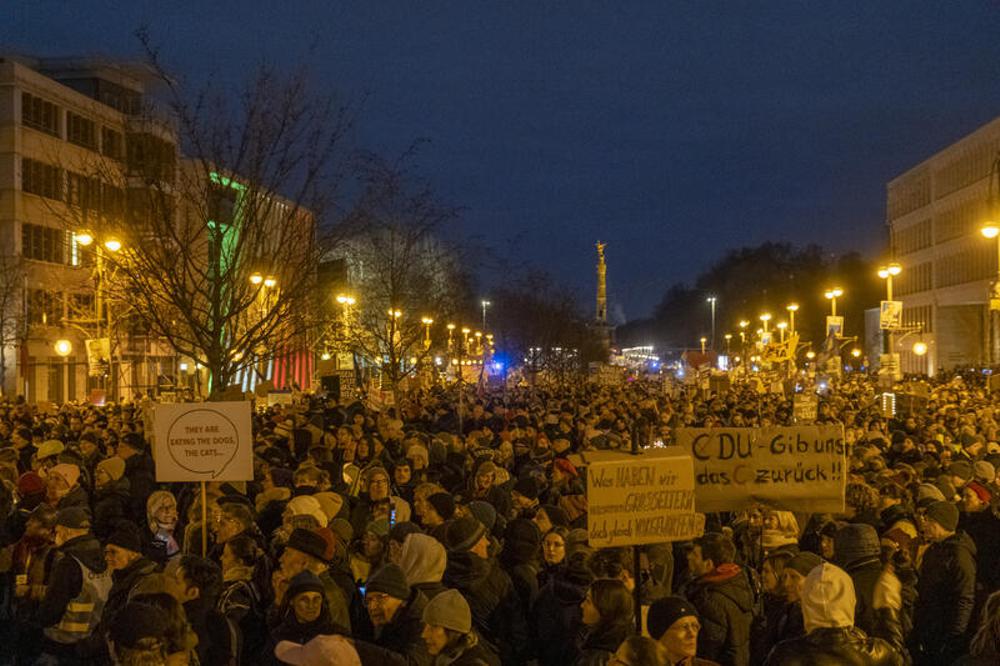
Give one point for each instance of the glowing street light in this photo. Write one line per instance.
(766, 317)
(427, 321)
(256, 278)
(63, 347)
(83, 238)
(832, 295)
(782, 325)
(792, 309)
(112, 245)
(485, 305)
(711, 301)
(270, 281)
(703, 341)
(344, 299)
(919, 348)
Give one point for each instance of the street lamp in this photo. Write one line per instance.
(887, 273)
(728, 337)
(343, 299)
(64, 348)
(256, 278)
(743, 326)
(427, 321)
(485, 305)
(920, 348)
(782, 325)
(792, 309)
(451, 331)
(711, 301)
(269, 281)
(766, 317)
(703, 341)
(992, 230)
(112, 245)
(832, 295)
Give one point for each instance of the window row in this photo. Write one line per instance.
(52, 308)
(45, 116)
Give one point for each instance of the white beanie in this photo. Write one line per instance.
(828, 598)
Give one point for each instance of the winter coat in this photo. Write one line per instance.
(141, 477)
(556, 618)
(865, 574)
(496, 608)
(111, 506)
(725, 603)
(469, 651)
(846, 646)
(399, 642)
(601, 643)
(946, 591)
(122, 584)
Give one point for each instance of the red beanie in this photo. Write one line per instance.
(566, 467)
(30, 483)
(981, 491)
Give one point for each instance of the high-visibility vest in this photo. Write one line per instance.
(83, 612)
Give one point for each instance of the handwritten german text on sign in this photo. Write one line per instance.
(795, 468)
(641, 499)
(208, 441)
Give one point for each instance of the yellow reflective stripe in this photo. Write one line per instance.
(75, 627)
(79, 607)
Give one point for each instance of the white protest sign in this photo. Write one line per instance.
(800, 468)
(206, 441)
(648, 498)
(805, 407)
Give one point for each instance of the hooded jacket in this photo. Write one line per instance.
(496, 610)
(946, 591)
(725, 603)
(828, 606)
(423, 561)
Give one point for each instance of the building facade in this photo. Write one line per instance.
(935, 212)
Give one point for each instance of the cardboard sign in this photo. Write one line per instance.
(648, 498)
(801, 468)
(805, 407)
(207, 441)
(834, 326)
(890, 316)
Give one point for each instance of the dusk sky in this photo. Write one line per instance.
(671, 130)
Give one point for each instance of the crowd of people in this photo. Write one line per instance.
(419, 535)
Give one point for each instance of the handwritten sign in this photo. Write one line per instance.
(209, 441)
(805, 407)
(800, 468)
(641, 499)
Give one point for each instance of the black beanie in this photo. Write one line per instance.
(664, 612)
(126, 535)
(527, 487)
(463, 534)
(389, 579)
(444, 504)
(308, 542)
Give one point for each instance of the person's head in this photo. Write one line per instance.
(794, 573)
(306, 550)
(61, 479)
(233, 518)
(386, 592)
(440, 507)
(976, 497)
(131, 444)
(554, 546)
(770, 575)
(161, 510)
(467, 535)
(191, 577)
(940, 521)
(710, 551)
(240, 551)
(71, 523)
(41, 523)
(138, 637)
(378, 484)
(447, 620)
(639, 651)
(828, 598)
(123, 547)
(986, 642)
(108, 471)
(402, 473)
(485, 475)
(420, 495)
(673, 623)
(608, 602)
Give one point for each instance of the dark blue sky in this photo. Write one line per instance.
(672, 130)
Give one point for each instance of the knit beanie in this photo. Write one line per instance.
(126, 535)
(961, 469)
(484, 513)
(828, 598)
(982, 492)
(984, 471)
(400, 531)
(526, 487)
(379, 528)
(307, 505)
(389, 579)
(30, 483)
(309, 542)
(854, 542)
(664, 612)
(304, 581)
(444, 505)
(521, 540)
(449, 610)
(67, 472)
(114, 467)
(944, 514)
(929, 492)
(463, 534)
(804, 562)
(49, 448)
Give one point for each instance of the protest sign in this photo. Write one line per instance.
(208, 441)
(805, 407)
(639, 499)
(279, 398)
(801, 468)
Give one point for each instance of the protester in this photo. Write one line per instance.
(449, 636)
(607, 614)
(673, 623)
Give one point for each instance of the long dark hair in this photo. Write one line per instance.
(614, 604)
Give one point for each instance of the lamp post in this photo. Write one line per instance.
(111, 245)
(485, 305)
(766, 317)
(451, 331)
(832, 295)
(782, 325)
(887, 273)
(792, 309)
(703, 341)
(64, 348)
(991, 230)
(427, 321)
(711, 301)
(727, 337)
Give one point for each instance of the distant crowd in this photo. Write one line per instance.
(418, 535)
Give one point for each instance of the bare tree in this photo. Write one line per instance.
(12, 320)
(222, 202)
(402, 268)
